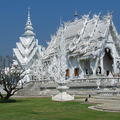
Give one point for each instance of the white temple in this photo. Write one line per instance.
(92, 50)
(27, 49)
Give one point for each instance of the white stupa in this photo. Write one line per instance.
(26, 50)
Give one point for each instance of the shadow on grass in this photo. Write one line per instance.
(11, 101)
(7, 101)
(22, 100)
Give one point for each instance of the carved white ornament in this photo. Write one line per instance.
(63, 60)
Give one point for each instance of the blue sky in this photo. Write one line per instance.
(45, 17)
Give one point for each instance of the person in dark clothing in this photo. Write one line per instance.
(86, 99)
(1, 95)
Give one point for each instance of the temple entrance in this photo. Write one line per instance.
(108, 61)
(98, 71)
(87, 68)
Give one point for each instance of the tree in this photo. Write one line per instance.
(10, 75)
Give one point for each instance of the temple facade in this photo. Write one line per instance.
(92, 49)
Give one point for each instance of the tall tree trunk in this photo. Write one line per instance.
(7, 96)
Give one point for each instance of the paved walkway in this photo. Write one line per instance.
(103, 104)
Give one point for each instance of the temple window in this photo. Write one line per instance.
(117, 64)
(86, 71)
(76, 71)
(98, 70)
(67, 73)
(108, 61)
(107, 72)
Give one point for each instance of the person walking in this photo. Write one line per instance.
(1, 95)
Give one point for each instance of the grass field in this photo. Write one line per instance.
(45, 109)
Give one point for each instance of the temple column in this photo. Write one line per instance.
(114, 65)
(92, 66)
(101, 64)
(81, 66)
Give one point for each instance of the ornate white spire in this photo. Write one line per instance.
(76, 13)
(60, 21)
(61, 25)
(28, 21)
(28, 27)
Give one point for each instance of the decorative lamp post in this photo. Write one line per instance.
(62, 88)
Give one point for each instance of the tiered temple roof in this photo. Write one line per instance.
(27, 48)
(86, 36)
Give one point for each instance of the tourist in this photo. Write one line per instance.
(1, 95)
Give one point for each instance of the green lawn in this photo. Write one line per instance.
(45, 109)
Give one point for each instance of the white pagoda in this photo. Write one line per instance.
(27, 49)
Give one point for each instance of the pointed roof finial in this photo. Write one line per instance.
(28, 12)
(61, 25)
(109, 15)
(108, 12)
(60, 21)
(28, 8)
(112, 12)
(28, 27)
(28, 21)
(75, 12)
